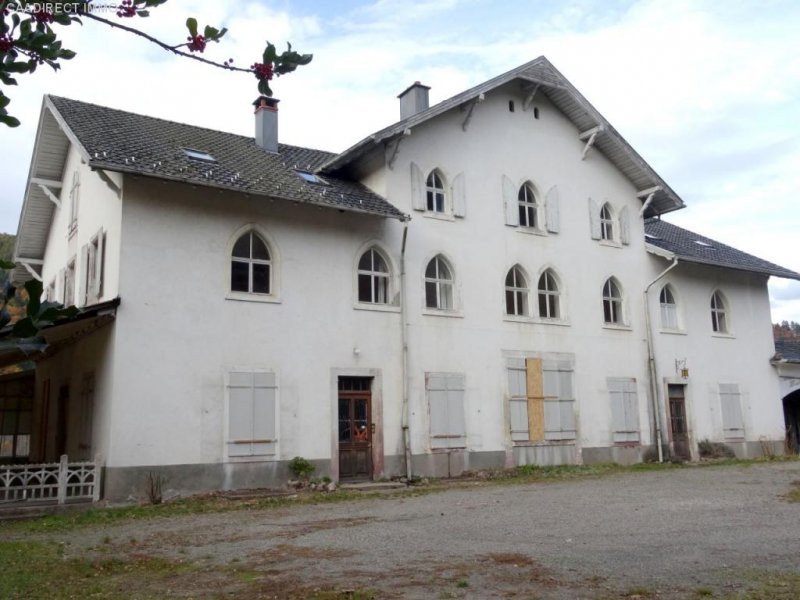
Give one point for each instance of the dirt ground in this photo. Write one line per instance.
(685, 533)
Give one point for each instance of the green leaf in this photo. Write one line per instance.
(16, 67)
(6, 264)
(263, 88)
(7, 79)
(269, 55)
(34, 288)
(9, 120)
(143, 13)
(66, 54)
(191, 25)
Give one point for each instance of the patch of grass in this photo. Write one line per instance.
(462, 583)
(703, 592)
(639, 592)
(793, 495)
(770, 585)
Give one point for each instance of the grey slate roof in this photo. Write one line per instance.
(682, 243)
(131, 143)
(789, 350)
(551, 83)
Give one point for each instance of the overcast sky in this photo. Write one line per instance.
(707, 92)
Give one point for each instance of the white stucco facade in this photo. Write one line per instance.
(163, 370)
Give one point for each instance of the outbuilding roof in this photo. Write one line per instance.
(688, 246)
(787, 350)
(540, 77)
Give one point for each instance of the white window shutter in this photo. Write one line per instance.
(552, 210)
(616, 394)
(264, 429)
(731, 404)
(99, 261)
(510, 202)
(625, 225)
(594, 219)
(455, 410)
(458, 192)
(82, 275)
(240, 413)
(631, 411)
(518, 399)
(62, 282)
(417, 188)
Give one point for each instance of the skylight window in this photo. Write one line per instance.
(312, 177)
(702, 243)
(199, 155)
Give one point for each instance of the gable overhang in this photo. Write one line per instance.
(540, 76)
(661, 252)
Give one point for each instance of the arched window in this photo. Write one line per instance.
(516, 292)
(606, 223)
(719, 313)
(373, 278)
(669, 309)
(612, 302)
(251, 270)
(439, 284)
(548, 296)
(435, 192)
(527, 207)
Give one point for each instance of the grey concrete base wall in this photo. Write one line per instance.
(129, 484)
(758, 449)
(453, 463)
(545, 455)
(623, 455)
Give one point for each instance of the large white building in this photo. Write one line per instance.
(486, 283)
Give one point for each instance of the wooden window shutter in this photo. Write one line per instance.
(510, 202)
(552, 210)
(731, 404)
(518, 399)
(594, 219)
(459, 194)
(625, 225)
(534, 387)
(417, 188)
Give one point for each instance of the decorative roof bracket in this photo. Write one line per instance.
(531, 93)
(589, 135)
(479, 98)
(45, 185)
(648, 194)
(109, 182)
(26, 262)
(390, 162)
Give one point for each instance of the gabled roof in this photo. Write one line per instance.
(675, 242)
(125, 142)
(539, 72)
(787, 350)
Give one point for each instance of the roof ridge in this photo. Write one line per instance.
(181, 123)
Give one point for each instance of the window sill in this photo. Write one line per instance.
(253, 458)
(531, 231)
(725, 336)
(433, 312)
(615, 327)
(610, 243)
(673, 331)
(535, 320)
(545, 443)
(73, 229)
(245, 297)
(390, 308)
(438, 216)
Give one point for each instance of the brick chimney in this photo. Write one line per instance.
(413, 99)
(267, 123)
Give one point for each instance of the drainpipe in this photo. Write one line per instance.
(404, 341)
(651, 362)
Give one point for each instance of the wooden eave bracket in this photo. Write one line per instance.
(478, 99)
(530, 94)
(396, 148)
(45, 185)
(26, 262)
(590, 136)
(648, 194)
(109, 182)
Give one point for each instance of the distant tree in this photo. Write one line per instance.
(786, 330)
(28, 39)
(7, 245)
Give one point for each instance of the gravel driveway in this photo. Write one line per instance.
(674, 533)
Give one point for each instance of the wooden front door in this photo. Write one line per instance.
(677, 419)
(355, 428)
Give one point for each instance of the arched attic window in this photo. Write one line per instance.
(439, 284)
(435, 195)
(719, 313)
(251, 265)
(549, 296)
(373, 277)
(669, 308)
(528, 207)
(516, 292)
(606, 222)
(612, 302)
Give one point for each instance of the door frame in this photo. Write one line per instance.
(668, 381)
(377, 417)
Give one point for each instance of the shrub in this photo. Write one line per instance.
(300, 467)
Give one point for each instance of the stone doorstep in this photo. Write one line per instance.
(372, 486)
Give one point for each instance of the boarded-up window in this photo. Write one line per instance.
(252, 406)
(542, 399)
(731, 402)
(446, 401)
(624, 409)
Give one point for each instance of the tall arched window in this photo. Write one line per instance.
(527, 207)
(719, 313)
(373, 278)
(612, 302)
(439, 284)
(435, 192)
(516, 292)
(548, 296)
(669, 309)
(606, 222)
(250, 265)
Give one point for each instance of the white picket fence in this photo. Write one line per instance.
(59, 482)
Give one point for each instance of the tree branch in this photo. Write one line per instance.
(167, 47)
